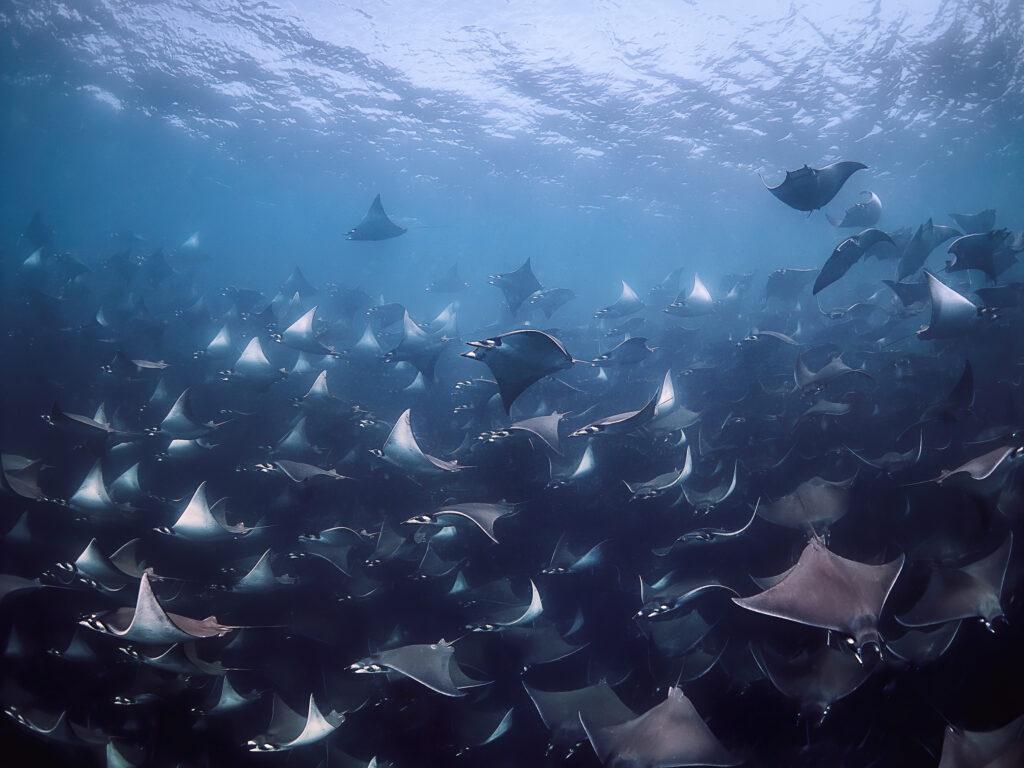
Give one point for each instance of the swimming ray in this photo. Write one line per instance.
(973, 223)
(180, 658)
(430, 665)
(808, 189)
(983, 749)
(813, 504)
(36, 233)
(94, 565)
(182, 424)
(704, 502)
(450, 282)
(316, 726)
(629, 352)
(916, 251)
(787, 284)
(621, 423)
(223, 697)
(952, 314)
(482, 515)
(375, 225)
(656, 486)
(505, 617)
(197, 522)
(544, 428)
(828, 591)
(676, 636)
(919, 647)
(517, 286)
(565, 560)
(696, 303)
(670, 735)
(401, 450)
(560, 711)
(92, 500)
(295, 445)
(20, 476)
(893, 461)
(260, 579)
(704, 536)
(335, 545)
(149, 623)
(301, 336)
(846, 254)
(540, 643)
(126, 488)
(253, 366)
(835, 368)
(909, 294)
(519, 359)
(817, 679)
(417, 347)
(628, 303)
(971, 591)
(299, 472)
(550, 300)
(984, 251)
(862, 214)
(985, 474)
(669, 593)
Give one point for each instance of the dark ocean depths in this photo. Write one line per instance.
(580, 447)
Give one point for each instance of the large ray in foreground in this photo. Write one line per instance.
(828, 591)
(669, 735)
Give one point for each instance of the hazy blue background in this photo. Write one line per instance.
(603, 139)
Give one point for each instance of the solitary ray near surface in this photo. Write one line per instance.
(808, 189)
(519, 359)
(375, 225)
(828, 591)
(671, 735)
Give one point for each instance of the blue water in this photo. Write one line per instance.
(605, 140)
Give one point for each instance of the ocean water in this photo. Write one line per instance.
(605, 142)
